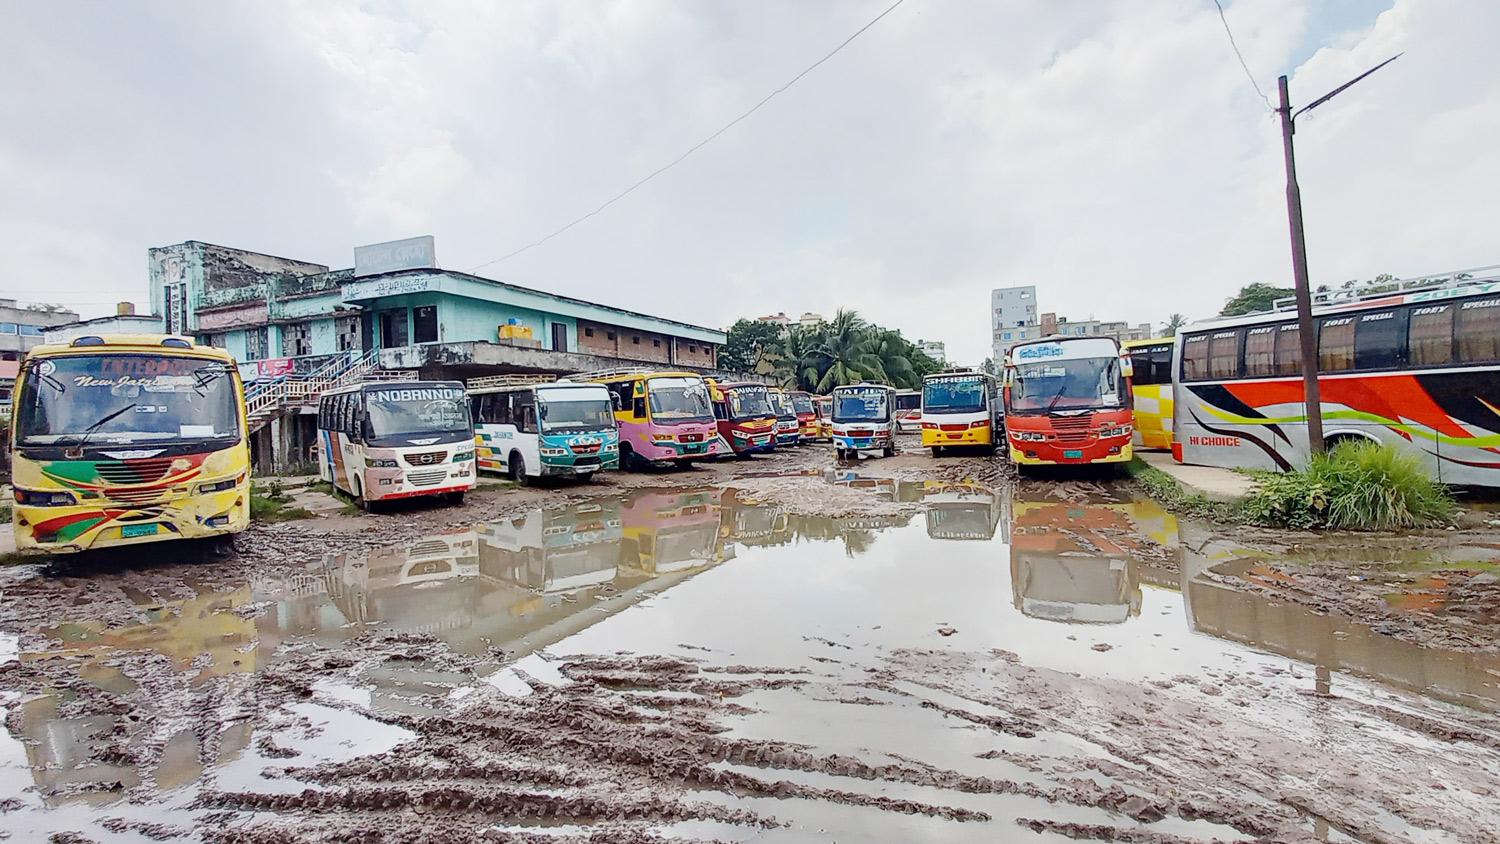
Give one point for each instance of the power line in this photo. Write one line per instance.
(695, 147)
(1239, 55)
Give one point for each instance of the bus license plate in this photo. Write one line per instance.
(1073, 454)
(132, 531)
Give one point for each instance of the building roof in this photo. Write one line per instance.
(375, 286)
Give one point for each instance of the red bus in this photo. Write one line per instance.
(1067, 402)
(743, 411)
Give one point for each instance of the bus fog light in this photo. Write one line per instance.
(553, 452)
(220, 486)
(387, 481)
(32, 498)
(381, 462)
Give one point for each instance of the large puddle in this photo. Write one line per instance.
(1108, 588)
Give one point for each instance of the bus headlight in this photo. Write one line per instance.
(553, 452)
(34, 498)
(381, 462)
(1116, 431)
(461, 456)
(1028, 436)
(662, 438)
(221, 486)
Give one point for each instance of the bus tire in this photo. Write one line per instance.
(517, 466)
(360, 500)
(455, 499)
(890, 451)
(1336, 440)
(937, 451)
(627, 458)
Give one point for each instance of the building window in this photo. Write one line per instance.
(215, 340)
(31, 331)
(656, 343)
(636, 339)
(296, 339)
(1005, 336)
(609, 335)
(255, 343)
(588, 332)
(9, 328)
(693, 349)
(424, 324)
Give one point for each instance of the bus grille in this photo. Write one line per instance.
(426, 458)
(427, 478)
(690, 438)
(428, 548)
(136, 496)
(1071, 429)
(134, 472)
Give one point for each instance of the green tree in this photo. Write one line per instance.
(844, 355)
(750, 346)
(1255, 297)
(1174, 322)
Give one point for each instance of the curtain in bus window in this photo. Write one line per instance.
(1479, 331)
(1430, 336)
(1260, 351)
(1224, 354)
(1289, 350)
(1195, 358)
(1378, 339)
(1336, 345)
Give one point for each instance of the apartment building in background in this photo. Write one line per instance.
(1015, 318)
(21, 328)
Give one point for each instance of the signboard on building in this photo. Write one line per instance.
(413, 253)
(275, 367)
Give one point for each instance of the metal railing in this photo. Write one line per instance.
(264, 400)
(1375, 289)
(512, 380)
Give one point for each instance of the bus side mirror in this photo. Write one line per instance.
(1127, 368)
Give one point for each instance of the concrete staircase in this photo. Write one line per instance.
(266, 401)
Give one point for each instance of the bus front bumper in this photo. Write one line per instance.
(81, 527)
(580, 464)
(1047, 455)
(968, 436)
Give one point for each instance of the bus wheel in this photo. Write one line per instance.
(890, 451)
(517, 466)
(937, 451)
(456, 499)
(627, 458)
(360, 500)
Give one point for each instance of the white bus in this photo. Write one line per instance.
(387, 440)
(961, 407)
(529, 426)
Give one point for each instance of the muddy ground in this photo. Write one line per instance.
(781, 649)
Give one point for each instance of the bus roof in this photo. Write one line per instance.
(170, 344)
(633, 373)
(1063, 348)
(865, 385)
(404, 385)
(1154, 341)
(1444, 293)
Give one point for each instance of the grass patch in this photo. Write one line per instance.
(268, 509)
(1357, 486)
(1178, 498)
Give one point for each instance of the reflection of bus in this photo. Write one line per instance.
(528, 429)
(864, 420)
(384, 441)
(1075, 562)
(960, 407)
(662, 415)
(124, 439)
(788, 428)
(1067, 401)
(746, 420)
(1418, 370)
(908, 411)
(671, 531)
(960, 511)
(807, 415)
(751, 522)
(555, 550)
(1151, 390)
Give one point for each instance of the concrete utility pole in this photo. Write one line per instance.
(1308, 338)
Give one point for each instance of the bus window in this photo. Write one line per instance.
(1336, 345)
(1195, 358)
(1153, 365)
(1479, 331)
(1224, 355)
(1260, 351)
(1289, 350)
(1430, 335)
(1378, 339)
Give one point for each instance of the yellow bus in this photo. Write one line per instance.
(1152, 389)
(127, 439)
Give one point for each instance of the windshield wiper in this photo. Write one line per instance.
(83, 439)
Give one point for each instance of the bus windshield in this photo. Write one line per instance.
(575, 409)
(119, 398)
(953, 396)
(404, 411)
(783, 406)
(749, 403)
(872, 406)
(679, 399)
(1085, 383)
(802, 404)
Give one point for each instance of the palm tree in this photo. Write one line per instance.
(797, 368)
(844, 356)
(895, 363)
(1174, 322)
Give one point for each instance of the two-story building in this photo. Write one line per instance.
(21, 327)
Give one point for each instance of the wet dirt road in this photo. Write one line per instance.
(777, 651)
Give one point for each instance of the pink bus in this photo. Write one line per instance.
(664, 416)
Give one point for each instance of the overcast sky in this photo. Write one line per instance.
(1114, 154)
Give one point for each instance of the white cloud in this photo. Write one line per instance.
(1112, 153)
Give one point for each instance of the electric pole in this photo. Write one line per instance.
(1306, 334)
